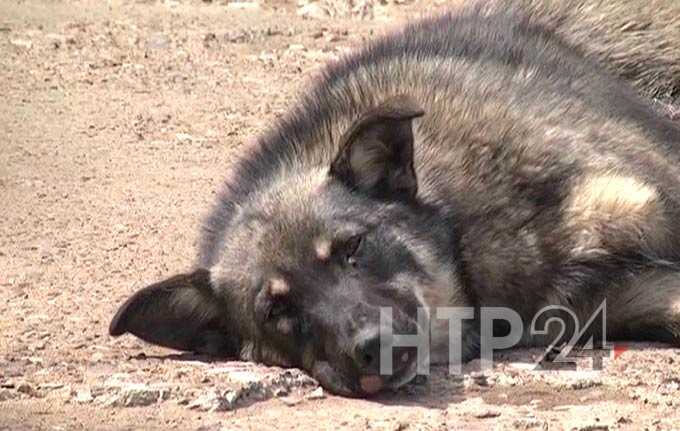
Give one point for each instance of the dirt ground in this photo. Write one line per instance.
(118, 120)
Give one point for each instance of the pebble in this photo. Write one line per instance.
(83, 396)
(316, 394)
(563, 408)
(312, 11)
(184, 137)
(296, 47)
(26, 388)
(51, 386)
(486, 414)
(136, 395)
(21, 43)
(214, 401)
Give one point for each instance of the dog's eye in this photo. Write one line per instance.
(351, 249)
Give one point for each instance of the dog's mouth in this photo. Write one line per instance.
(366, 385)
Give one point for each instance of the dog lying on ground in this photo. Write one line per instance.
(502, 155)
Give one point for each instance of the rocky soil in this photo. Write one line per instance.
(118, 120)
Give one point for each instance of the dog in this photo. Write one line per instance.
(504, 154)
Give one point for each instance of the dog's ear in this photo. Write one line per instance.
(182, 313)
(376, 153)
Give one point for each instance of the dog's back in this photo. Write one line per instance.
(638, 40)
(563, 181)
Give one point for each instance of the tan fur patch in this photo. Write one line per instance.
(322, 248)
(615, 195)
(278, 287)
(609, 212)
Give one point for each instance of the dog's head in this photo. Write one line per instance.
(307, 264)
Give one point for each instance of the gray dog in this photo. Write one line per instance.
(502, 155)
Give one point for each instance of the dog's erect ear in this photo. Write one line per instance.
(182, 313)
(376, 153)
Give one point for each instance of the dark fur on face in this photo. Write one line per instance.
(475, 159)
(317, 275)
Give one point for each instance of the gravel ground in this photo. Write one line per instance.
(118, 121)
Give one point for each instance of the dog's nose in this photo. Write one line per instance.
(367, 352)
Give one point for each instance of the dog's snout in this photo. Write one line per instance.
(367, 352)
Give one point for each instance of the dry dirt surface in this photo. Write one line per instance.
(117, 122)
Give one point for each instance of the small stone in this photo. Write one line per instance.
(296, 47)
(316, 394)
(51, 386)
(244, 377)
(231, 397)
(487, 414)
(184, 137)
(25, 388)
(213, 402)
(34, 360)
(564, 408)
(312, 11)
(137, 395)
(83, 396)
(21, 43)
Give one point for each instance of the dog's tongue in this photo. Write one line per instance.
(371, 384)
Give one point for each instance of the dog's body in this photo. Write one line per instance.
(481, 158)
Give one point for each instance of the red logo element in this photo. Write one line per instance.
(618, 350)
